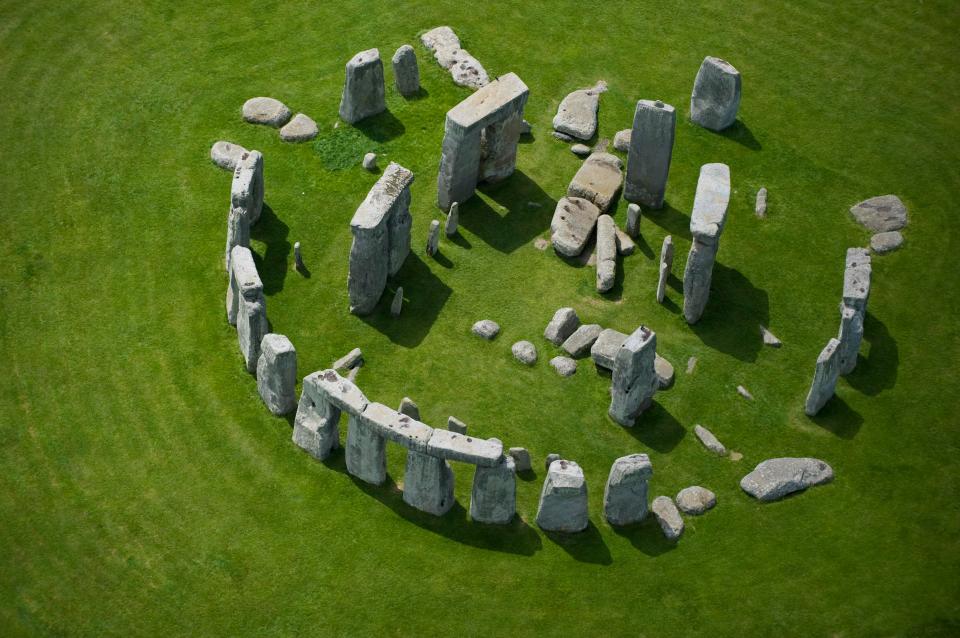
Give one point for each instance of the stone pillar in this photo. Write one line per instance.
(666, 264)
(366, 452)
(428, 483)
(315, 428)
(298, 257)
(625, 496)
(494, 496)
(824, 378)
(563, 501)
(433, 238)
(633, 219)
(606, 253)
(634, 377)
(499, 147)
(716, 94)
(246, 190)
(406, 73)
(247, 305)
(453, 220)
(277, 374)
(651, 148)
(363, 93)
(459, 165)
(706, 225)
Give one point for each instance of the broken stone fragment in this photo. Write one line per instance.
(521, 459)
(565, 366)
(465, 69)
(883, 243)
(456, 425)
(266, 110)
(397, 304)
(604, 349)
(664, 371)
(695, 500)
(598, 180)
(577, 113)
(769, 339)
(621, 140)
(742, 391)
(409, 408)
(370, 162)
(433, 238)
(761, 206)
(300, 129)
(453, 220)
(572, 226)
(880, 214)
(709, 441)
(550, 459)
(606, 253)
(625, 245)
(226, 154)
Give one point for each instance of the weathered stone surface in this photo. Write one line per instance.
(397, 304)
(606, 253)
(881, 214)
(300, 129)
(633, 220)
(226, 154)
(365, 452)
(664, 372)
(709, 440)
(883, 243)
(579, 343)
(716, 94)
(666, 265)
(370, 162)
(428, 484)
(604, 349)
(266, 110)
(350, 360)
(695, 500)
(856, 279)
(524, 352)
(742, 391)
(549, 460)
(467, 449)
(246, 190)
(244, 281)
(315, 428)
(363, 91)
(621, 140)
(465, 69)
(580, 150)
(453, 220)
(691, 364)
(598, 180)
(769, 339)
(433, 238)
(238, 234)
(521, 459)
(706, 224)
(577, 113)
(486, 328)
(625, 245)
(564, 322)
(277, 374)
(634, 377)
(824, 378)
(352, 375)
(329, 386)
(246, 301)
(573, 222)
(396, 426)
(406, 73)
(625, 496)
(651, 149)
(493, 499)
(667, 515)
(563, 501)
(563, 137)
(456, 425)
(761, 205)
(851, 334)
(410, 408)
(775, 478)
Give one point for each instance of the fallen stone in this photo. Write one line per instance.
(668, 517)
(397, 304)
(453, 220)
(742, 391)
(577, 114)
(634, 377)
(761, 206)
(521, 459)
(564, 322)
(598, 180)
(349, 361)
(300, 129)
(409, 407)
(621, 141)
(580, 150)
(266, 110)
(716, 94)
(695, 500)
(824, 378)
(465, 69)
(363, 91)
(524, 352)
(428, 484)
(486, 328)
(493, 499)
(604, 349)
(625, 245)
(226, 154)
(709, 440)
(883, 243)
(633, 220)
(691, 364)
(406, 73)
(651, 149)
(706, 224)
(459, 447)
(573, 222)
(775, 478)
(565, 366)
(664, 371)
(625, 496)
(433, 238)
(370, 161)
(277, 374)
(881, 214)
(606, 253)
(769, 339)
(563, 501)
(456, 425)
(550, 459)
(579, 343)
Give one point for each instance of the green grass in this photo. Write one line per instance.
(145, 490)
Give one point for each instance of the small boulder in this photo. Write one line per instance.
(621, 141)
(565, 366)
(573, 222)
(761, 206)
(521, 458)
(667, 515)
(486, 328)
(300, 129)
(579, 343)
(887, 242)
(881, 214)
(550, 459)
(226, 154)
(564, 322)
(524, 352)
(456, 425)
(604, 349)
(775, 478)
(266, 110)
(577, 113)
(709, 440)
(695, 500)
(370, 161)
(580, 150)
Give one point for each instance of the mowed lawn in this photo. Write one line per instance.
(144, 488)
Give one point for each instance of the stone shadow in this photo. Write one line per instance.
(520, 224)
(670, 219)
(273, 266)
(878, 372)
(838, 417)
(729, 322)
(740, 133)
(381, 127)
(586, 546)
(646, 536)
(657, 429)
(645, 248)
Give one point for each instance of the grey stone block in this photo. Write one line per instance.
(406, 73)
(883, 243)
(266, 110)
(524, 352)
(521, 459)
(563, 501)
(246, 300)
(824, 378)
(695, 500)
(850, 337)
(300, 129)
(625, 496)
(246, 190)
(598, 180)
(363, 92)
(428, 484)
(396, 426)
(465, 69)
(880, 214)
(226, 154)
(579, 343)
(466, 449)
(456, 425)
(706, 224)
(316, 426)
(564, 322)
(716, 94)
(775, 478)
(577, 113)
(494, 496)
(565, 366)
(709, 441)
(651, 149)
(410, 408)
(486, 329)
(277, 374)
(634, 377)
(366, 452)
(606, 253)
(604, 349)
(667, 515)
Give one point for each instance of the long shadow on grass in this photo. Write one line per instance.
(586, 546)
(729, 322)
(520, 224)
(657, 429)
(647, 537)
(670, 219)
(741, 134)
(272, 267)
(382, 127)
(878, 371)
(838, 417)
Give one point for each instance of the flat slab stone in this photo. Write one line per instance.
(695, 500)
(565, 366)
(226, 154)
(580, 150)
(604, 349)
(363, 91)
(880, 214)
(572, 226)
(775, 478)
(564, 322)
(598, 180)
(709, 441)
(397, 427)
(667, 515)
(579, 343)
(524, 352)
(459, 447)
(486, 328)
(664, 371)
(300, 129)
(266, 110)
(883, 243)
(577, 114)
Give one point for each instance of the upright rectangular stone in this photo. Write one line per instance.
(363, 91)
(493, 498)
(706, 225)
(651, 149)
(824, 378)
(634, 377)
(245, 297)
(428, 483)
(460, 447)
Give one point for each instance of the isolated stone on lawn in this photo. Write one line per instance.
(579, 343)
(266, 110)
(565, 366)
(406, 73)
(563, 501)
(709, 441)
(226, 154)
(564, 322)
(883, 243)
(742, 391)
(769, 339)
(465, 69)
(667, 515)
(370, 161)
(606, 253)
(625, 495)
(577, 113)
(716, 94)
(486, 328)
(598, 180)
(300, 129)
(524, 352)
(604, 349)
(881, 214)
(277, 374)
(363, 91)
(695, 500)
(775, 478)
(493, 498)
(573, 222)
(761, 206)
(580, 150)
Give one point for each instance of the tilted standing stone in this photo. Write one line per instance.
(433, 238)
(453, 220)
(625, 496)
(325, 394)
(853, 309)
(666, 264)
(277, 374)
(246, 190)
(716, 94)
(706, 225)
(563, 501)
(824, 378)
(494, 496)
(381, 238)
(363, 93)
(667, 515)
(564, 322)
(456, 425)
(397, 305)
(850, 336)
(633, 220)
(246, 305)
(651, 148)
(428, 483)
(634, 377)
(406, 73)
(606, 253)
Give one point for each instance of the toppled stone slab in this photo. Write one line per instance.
(572, 226)
(349, 361)
(706, 224)
(300, 129)
(521, 459)
(459, 447)
(226, 154)
(598, 180)
(651, 149)
(524, 352)
(465, 69)
(563, 501)
(397, 427)
(695, 500)
(266, 110)
(369, 162)
(493, 499)
(363, 90)
(606, 253)
(621, 140)
(769, 339)
(604, 349)
(277, 374)
(634, 377)
(248, 305)
(775, 478)
(824, 378)
(577, 114)
(486, 329)
(406, 73)
(664, 372)
(667, 515)
(709, 441)
(625, 496)
(883, 243)
(565, 366)
(716, 94)
(880, 214)
(579, 343)
(456, 425)
(564, 322)
(428, 484)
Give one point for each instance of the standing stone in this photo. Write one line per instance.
(563, 501)
(598, 180)
(406, 73)
(633, 220)
(521, 459)
(325, 394)
(246, 190)
(634, 377)
(604, 349)
(824, 378)
(370, 162)
(579, 343)
(666, 264)
(709, 441)
(366, 452)
(606, 253)
(572, 225)
(550, 459)
(651, 149)
(564, 322)
(695, 500)
(277, 374)
(410, 408)
(761, 206)
(853, 308)
(465, 69)
(775, 478)
(667, 515)
(494, 496)
(433, 238)
(247, 305)
(266, 110)
(880, 214)
(706, 225)
(428, 483)
(664, 371)
(453, 220)
(363, 93)
(625, 245)
(456, 425)
(349, 361)
(716, 94)
(625, 496)
(577, 113)
(226, 154)
(397, 303)
(298, 257)
(238, 233)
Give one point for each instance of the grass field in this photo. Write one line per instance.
(145, 489)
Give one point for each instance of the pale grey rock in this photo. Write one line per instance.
(277, 374)
(695, 500)
(664, 372)
(883, 243)
(466, 449)
(246, 189)
(598, 180)
(524, 352)
(709, 441)
(563, 501)
(651, 149)
(824, 378)
(349, 361)
(634, 377)
(428, 484)
(525, 128)
(315, 428)
(363, 91)
(226, 154)
(300, 129)
(396, 426)
(742, 391)
(456, 425)
(365, 452)
(775, 478)
(465, 69)
(633, 220)
(266, 110)
(453, 220)
(580, 150)
(564, 322)
(625, 245)
(856, 279)
(397, 304)
(406, 73)
(243, 279)
(625, 496)
(606, 253)
(667, 515)
(370, 162)
(521, 459)
(666, 265)
(550, 459)
(409, 407)
(881, 214)
(298, 257)
(573, 222)
(565, 366)
(433, 238)
(706, 224)
(850, 337)
(604, 349)
(563, 137)
(621, 140)
(579, 343)
(691, 364)
(486, 328)
(769, 339)
(716, 94)
(577, 114)
(761, 205)
(493, 499)
(248, 305)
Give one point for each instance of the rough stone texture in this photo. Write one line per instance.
(298, 257)
(634, 377)
(266, 110)
(880, 214)
(625, 245)
(238, 234)
(742, 391)
(604, 349)
(342, 393)
(621, 140)
(456, 425)
(397, 304)
(459, 447)
(315, 428)
(549, 460)
(577, 114)
(366, 452)
(409, 407)
(246, 189)
(453, 220)
(381, 238)
(563, 501)
(666, 265)
(363, 92)
(625, 496)
(664, 372)
(300, 129)
(480, 139)
(883, 243)
(564, 322)
(633, 220)
(277, 374)
(226, 154)
(465, 69)
(716, 94)
(651, 149)
(606, 253)
(695, 500)
(573, 222)
(706, 224)
(709, 440)
(851, 334)
(494, 496)
(598, 180)
(349, 361)
(580, 150)
(856, 279)
(769, 339)
(565, 366)
(486, 328)
(247, 305)
(370, 162)
(396, 426)
(521, 459)
(524, 352)
(824, 378)
(433, 238)
(579, 343)
(406, 73)
(428, 484)
(775, 478)
(761, 206)
(668, 517)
